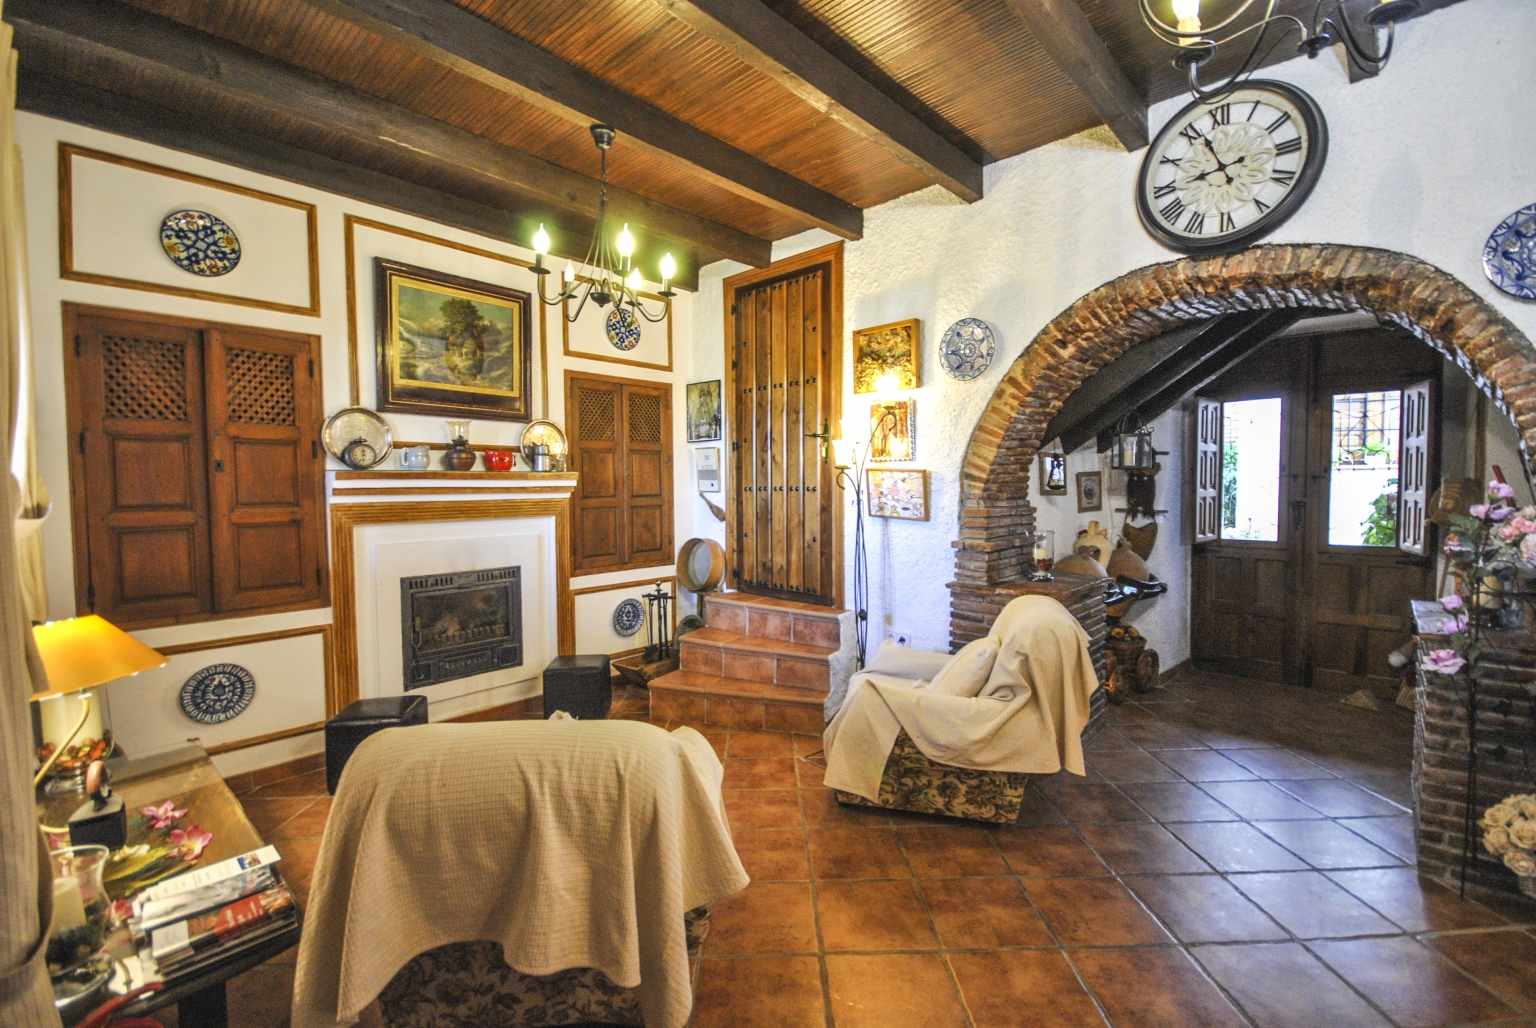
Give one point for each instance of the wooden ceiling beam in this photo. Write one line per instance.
(448, 35)
(758, 36)
(1061, 27)
(61, 34)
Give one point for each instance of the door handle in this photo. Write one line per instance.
(1298, 511)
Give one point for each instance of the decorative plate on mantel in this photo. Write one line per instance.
(1509, 256)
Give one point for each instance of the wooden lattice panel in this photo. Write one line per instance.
(260, 387)
(644, 418)
(595, 409)
(145, 379)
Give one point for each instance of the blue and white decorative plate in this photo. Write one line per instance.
(623, 329)
(200, 243)
(217, 693)
(628, 616)
(1509, 256)
(967, 349)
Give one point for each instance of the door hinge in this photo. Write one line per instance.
(314, 449)
(90, 596)
(82, 442)
(733, 308)
(734, 447)
(733, 365)
(77, 345)
(317, 578)
(311, 369)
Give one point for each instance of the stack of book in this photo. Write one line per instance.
(207, 915)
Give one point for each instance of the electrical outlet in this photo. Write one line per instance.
(901, 638)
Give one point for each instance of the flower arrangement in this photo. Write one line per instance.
(1509, 833)
(170, 851)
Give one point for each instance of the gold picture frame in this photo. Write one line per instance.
(899, 493)
(1090, 491)
(886, 349)
(893, 441)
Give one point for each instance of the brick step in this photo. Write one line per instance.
(771, 618)
(712, 651)
(737, 703)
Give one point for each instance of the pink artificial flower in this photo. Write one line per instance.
(164, 815)
(1451, 602)
(192, 842)
(1509, 531)
(1501, 512)
(1523, 522)
(1478, 510)
(1501, 490)
(1445, 662)
(1528, 549)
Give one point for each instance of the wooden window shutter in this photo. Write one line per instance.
(648, 474)
(141, 519)
(621, 446)
(1413, 469)
(1207, 470)
(264, 464)
(597, 455)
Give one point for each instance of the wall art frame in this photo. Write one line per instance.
(482, 368)
(1090, 491)
(705, 418)
(896, 347)
(898, 493)
(893, 441)
(1053, 474)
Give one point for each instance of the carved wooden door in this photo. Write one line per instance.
(621, 448)
(784, 341)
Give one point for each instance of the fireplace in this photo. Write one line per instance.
(459, 625)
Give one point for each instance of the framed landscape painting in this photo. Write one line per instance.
(898, 494)
(703, 411)
(452, 346)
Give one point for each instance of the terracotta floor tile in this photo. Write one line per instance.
(951, 852)
(299, 857)
(260, 997)
(1413, 903)
(760, 773)
(823, 810)
(1177, 801)
(1160, 735)
(1235, 846)
(1281, 985)
(1326, 845)
(1094, 912)
(1393, 834)
(1023, 990)
(766, 808)
(1416, 988)
(1134, 849)
(311, 784)
(759, 744)
(1277, 764)
(774, 855)
(1205, 908)
(1205, 766)
(265, 814)
(1224, 739)
(307, 824)
(1340, 799)
(1035, 809)
(1260, 801)
(863, 916)
(1107, 741)
(983, 913)
(1311, 906)
(857, 853)
(1047, 850)
(807, 745)
(762, 919)
(1154, 988)
(861, 992)
(812, 773)
(1087, 804)
(1132, 766)
(1502, 961)
(758, 992)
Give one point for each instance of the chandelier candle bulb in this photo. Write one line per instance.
(541, 241)
(625, 243)
(1188, 13)
(635, 281)
(570, 272)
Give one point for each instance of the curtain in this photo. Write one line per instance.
(26, 1000)
(35, 501)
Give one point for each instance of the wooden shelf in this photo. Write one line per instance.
(454, 476)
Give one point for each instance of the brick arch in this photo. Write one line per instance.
(1148, 302)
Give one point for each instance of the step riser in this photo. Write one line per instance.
(741, 617)
(736, 712)
(757, 667)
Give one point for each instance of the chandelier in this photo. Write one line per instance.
(605, 275)
(1197, 43)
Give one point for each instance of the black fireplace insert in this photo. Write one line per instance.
(458, 625)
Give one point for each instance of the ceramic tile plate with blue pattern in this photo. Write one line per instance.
(1509, 256)
(200, 243)
(967, 349)
(623, 328)
(628, 616)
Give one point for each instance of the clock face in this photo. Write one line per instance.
(1225, 172)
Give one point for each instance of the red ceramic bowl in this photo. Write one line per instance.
(499, 460)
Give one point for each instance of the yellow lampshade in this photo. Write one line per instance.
(85, 651)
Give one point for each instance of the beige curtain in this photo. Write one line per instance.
(35, 501)
(26, 1000)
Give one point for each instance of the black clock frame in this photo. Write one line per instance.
(1306, 178)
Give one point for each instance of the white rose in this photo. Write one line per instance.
(1520, 862)
(1496, 841)
(1523, 834)
(1525, 804)
(1500, 814)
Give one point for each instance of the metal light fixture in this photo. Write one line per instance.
(1131, 448)
(851, 459)
(606, 275)
(1197, 43)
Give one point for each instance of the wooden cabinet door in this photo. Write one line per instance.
(593, 407)
(621, 447)
(138, 486)
(264, 468)
(647, 474)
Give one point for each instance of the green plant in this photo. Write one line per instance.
(1381, 524)
(1229, 485)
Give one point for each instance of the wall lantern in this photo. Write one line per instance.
(1131, 449)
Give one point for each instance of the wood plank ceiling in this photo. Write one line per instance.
(741, 121)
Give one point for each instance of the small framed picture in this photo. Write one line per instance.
(898, 494)
(1053, 474)
(1090, 491)
(893, 437)
(889, 353)
(704, 411)
(707, 464)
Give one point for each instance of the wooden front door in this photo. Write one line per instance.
(1324, 446)
(784, 342)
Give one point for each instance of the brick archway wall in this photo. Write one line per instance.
(1148, 302)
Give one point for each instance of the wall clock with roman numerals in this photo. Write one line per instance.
(1226, 171)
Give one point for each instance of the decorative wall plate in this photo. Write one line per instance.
(548, 433)
(966, 350)
(628, 616)
(200, 243)
(623, 329)
(358, 437)
(1509, 256)
(217, 693)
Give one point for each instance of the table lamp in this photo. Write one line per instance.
(79, 654)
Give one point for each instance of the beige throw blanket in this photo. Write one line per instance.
(1028, 718)
(572, 843)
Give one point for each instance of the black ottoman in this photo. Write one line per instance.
(580, 685)
(346, 731)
